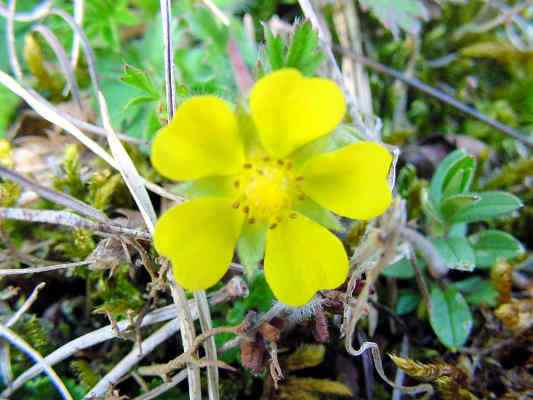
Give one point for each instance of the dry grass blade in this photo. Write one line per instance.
(132, 359)
(40, 11)
(68, 219)
(169, 57)
(26, 306)
(47, 268)
(61, 55)
(21, 344)
(127, 170)
(165, 387)
(54, 196)
(78, 17)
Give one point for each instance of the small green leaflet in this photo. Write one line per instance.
(492, 245)
(450, 317)
(456, 253)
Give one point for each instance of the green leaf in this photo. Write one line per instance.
(450, 317)
(304, 53)
(456, 253)
(319, 214)
(492, 245)
(139, 79)
(478, 291)
(9, 103)
(398, 14)
(407, 302)
(251, 247)
(402, 269)
(274, 50)
(445, 171)
(453, 204)
(490, 205)
(459, 177)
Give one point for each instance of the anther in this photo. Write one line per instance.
(280, 162)
(247, 165)
(299, 178)
(236, 184)
(246, 209)
(293, 215)
(301, 196)
(273, 226)
(237, 204)
(251, 221)
(260, 171)
(289, 164)
(266, 159)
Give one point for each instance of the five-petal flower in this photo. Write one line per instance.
(260, 185)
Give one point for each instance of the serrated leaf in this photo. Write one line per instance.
(456, 253)
(490, 205)
(492, 245)
(139, 79)
(398, 14)
(303, 53)
(451, 205)
(450, 317)
(274, 50)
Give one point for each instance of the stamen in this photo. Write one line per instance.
(299, 178)
(301, 196)
(237, 204)
(273, 226)
(289, 164)
(251, 221)
(246, 209)
(237, 183)
(280, 162)
(266, 159)
(247, 165)
(293, 215)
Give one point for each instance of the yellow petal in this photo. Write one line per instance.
(352, 181)
(199, 237)
(290, 110)
(301, 258)
(201, 140)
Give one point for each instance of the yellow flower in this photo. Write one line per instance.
(260, 184)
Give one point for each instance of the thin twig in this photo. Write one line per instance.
(423, 87)
(68, 219)
(165, 387)
(78, 17)
(40, 11)
(26, 306)
(47, 268)
(21, 344)
(133, 358)
(54, 196)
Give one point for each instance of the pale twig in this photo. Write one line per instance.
(437, 266)
(170, 84)
(133, 358)
(187, 335)
(400, 374)
(49, 112)
(40, 11)
(10, 41)
(88, 340)
(210, 347)
(423, 87)
(25, 306)
(68, 219)
(54, 196)
(5, 364)
(64, 63)
(217, 12)
(47, 268)
(21, 344)
(127, 169)
(78, 17)
(164, 387)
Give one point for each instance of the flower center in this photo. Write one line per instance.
(267, 190)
